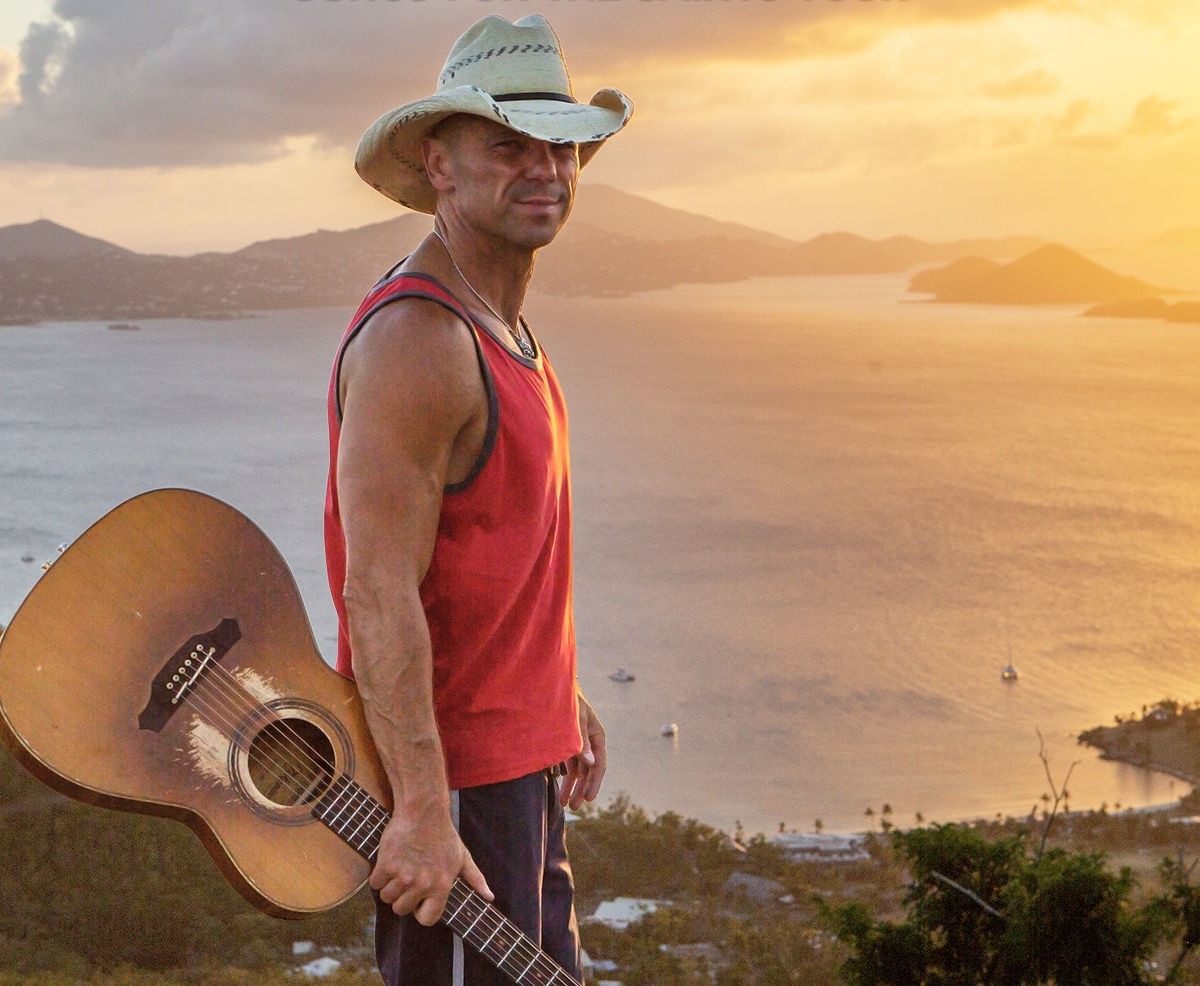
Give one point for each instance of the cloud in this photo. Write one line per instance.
(1152, 118)
(1067, 123)
(1036, 82)
(9, 93)
(39, 56)
(211, 82)
(1065, 128)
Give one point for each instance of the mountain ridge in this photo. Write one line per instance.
(47, 239)
(616, 243)
(1049, 274)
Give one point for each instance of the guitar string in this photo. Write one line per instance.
(236, 716)
(493, 947)
(233, 694)
(489, 920)
(522, 948)
(538, 961)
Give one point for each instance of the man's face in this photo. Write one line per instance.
(503, 184)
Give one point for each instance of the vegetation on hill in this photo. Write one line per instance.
(1009, 913)
(992, 903)
(103, 898)
(87, 888)
(1165, 737)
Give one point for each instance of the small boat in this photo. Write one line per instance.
(124, 327)
(670, 729)
(621, 675)
(1009, 674)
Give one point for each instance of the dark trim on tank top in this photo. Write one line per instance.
(533, 364)
(485, 370)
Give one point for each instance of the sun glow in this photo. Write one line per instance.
(940, 120)
(1071, 126)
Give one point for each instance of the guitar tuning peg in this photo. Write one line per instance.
(61, 548)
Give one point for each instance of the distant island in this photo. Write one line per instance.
(1181, 311)
(615, 244)
(1050, 274)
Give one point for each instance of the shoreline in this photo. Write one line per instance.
(1166, 739)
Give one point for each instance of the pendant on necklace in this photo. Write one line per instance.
(522, 344)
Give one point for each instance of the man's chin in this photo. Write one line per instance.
(537, 235)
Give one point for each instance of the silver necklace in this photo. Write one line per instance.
(522, 343)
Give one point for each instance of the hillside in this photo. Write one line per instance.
(954, 276)
(1051, 274)
(616, 243)
(46, 240)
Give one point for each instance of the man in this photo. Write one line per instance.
(448, 514)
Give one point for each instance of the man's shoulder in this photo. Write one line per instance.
(416, 312)
(415, 343)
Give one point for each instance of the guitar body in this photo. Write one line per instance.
(176, 585)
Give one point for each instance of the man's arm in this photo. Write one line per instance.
(412, 397)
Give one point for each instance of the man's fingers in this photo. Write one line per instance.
(586, 754)
(471, 873)
(591, 787)
(579, 784)
(566, 788)
(429, 911)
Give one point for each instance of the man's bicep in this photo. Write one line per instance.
(404, 404)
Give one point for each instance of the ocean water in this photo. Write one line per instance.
(814, 518)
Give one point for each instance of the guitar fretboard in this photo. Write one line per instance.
(352, 814)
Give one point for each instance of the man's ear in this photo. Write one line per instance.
(438, 165)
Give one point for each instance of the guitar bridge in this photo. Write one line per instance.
(183, 670)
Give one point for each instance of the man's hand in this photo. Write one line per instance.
(417, 864)
(585, 770)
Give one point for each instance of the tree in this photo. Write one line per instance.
(997, 913)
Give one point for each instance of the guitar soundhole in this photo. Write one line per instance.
(290, 761)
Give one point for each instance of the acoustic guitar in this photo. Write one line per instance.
(164, 665)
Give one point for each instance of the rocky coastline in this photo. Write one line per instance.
(1163, 737)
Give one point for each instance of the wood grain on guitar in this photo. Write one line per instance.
(164, 665)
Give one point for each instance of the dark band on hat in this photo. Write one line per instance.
(510, 97)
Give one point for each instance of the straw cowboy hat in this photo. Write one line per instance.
(513, 73)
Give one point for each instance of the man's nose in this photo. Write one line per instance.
(541, 162)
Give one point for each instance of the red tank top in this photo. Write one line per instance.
(497, 595)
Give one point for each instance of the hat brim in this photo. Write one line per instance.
(389, 155)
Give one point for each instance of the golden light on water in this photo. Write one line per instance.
(936, 483)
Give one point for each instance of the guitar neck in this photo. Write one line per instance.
(351, 813)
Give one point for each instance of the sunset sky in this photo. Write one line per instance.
(185, 125)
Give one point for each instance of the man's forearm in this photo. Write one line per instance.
(393, 666)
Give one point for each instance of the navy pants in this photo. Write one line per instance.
(514, 831)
